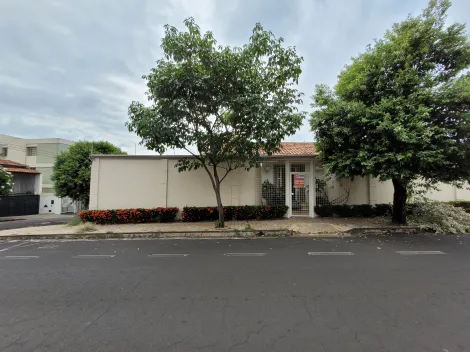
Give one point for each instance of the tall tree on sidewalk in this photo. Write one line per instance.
(400, 111)
(71, 172)
(224, 105)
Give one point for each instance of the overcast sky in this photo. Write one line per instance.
(70, 68)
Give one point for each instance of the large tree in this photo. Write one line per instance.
(224, 105)
(72, 169)
(400, 111)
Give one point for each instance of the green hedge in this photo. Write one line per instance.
(349, 211)
(461, 204)
(245, 212)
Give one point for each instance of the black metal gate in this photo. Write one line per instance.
(19, 205)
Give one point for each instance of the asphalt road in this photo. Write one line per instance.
(34, 220)
(347, 295)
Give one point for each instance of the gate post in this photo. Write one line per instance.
(288, 189)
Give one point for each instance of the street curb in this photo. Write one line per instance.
(155, 234)
(387, 230)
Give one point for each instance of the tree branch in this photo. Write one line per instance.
(226, 173)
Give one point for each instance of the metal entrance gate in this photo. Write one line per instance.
(19, 205)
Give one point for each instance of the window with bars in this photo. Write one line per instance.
(271, 183)
(32, 151)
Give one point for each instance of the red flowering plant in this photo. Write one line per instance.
(128, 216)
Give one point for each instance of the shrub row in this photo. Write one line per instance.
(349, 211)
(465, 205)
(128, 216)
(245, 212)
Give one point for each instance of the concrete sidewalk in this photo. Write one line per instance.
(300, 226)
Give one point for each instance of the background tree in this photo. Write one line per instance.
(224, 105)
(72, 169)
(400, 111)
(6, 182)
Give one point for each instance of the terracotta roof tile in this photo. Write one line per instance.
(297, 148)
(22, 171)
(4, 162)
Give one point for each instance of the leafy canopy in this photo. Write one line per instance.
(401, 109)
(72, 169)
(227, 103)
(6, 182)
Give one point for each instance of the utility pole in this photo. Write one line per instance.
(135, 148)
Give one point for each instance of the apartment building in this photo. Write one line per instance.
(40, 155)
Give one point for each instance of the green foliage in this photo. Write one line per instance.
(6, 182)
(128, 216)
(441, 217)
(349, 211)
(465, 205)
(245, 212)
(224, 105)
(321, 192)
(400, 111)
(75, 221)
(72, 169)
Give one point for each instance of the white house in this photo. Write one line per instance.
(128, 181)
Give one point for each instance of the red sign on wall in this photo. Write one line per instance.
(299, 181)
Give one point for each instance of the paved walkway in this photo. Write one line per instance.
(300, 225)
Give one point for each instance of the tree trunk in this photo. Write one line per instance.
(220, 207)
(399, 202)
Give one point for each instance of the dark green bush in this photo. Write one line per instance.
(344, 211)
(349, 211)
(245, 212)
(383, 209)
(324, 210)
(364, 210)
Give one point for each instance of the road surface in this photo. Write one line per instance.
(333, 295)
(19, 222)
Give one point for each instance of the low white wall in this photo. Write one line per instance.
(194, 188)
(118, 183)
(382, 192)
(142, 183)
(359, 192)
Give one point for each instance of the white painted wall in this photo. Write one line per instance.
(194, 188)
(128, 183)
(50, 205)
(16, 148)
(142, 183)
(359, 191)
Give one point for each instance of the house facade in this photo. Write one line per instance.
(294, 177)
(38, 154)
(27, 184)
(26, 181)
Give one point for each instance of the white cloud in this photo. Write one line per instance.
(8, 81)
(56, 69)
(70, 69)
